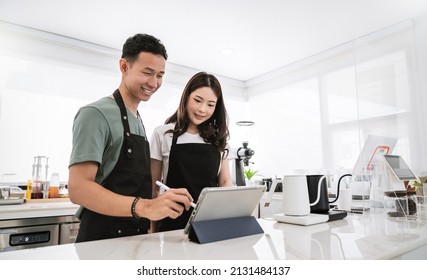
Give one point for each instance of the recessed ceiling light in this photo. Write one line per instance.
(227, 51)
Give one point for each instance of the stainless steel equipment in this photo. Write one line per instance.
(241, 158)
(20, 234)
(68, 231)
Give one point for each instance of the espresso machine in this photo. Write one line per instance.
(239, 158)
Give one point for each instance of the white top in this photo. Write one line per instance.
(160, 144)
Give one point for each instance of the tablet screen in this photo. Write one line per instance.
(399, 167)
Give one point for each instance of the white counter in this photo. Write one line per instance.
(37, 209)
(368, 236)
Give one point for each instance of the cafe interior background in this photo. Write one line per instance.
(316, 77)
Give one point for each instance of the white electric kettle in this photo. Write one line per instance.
(296, 201)
(295, 197)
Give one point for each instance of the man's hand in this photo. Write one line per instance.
(168, 204)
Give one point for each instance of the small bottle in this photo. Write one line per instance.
(28, 191)
(54, 186)
(36, 189)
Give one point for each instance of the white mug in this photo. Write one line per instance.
(345, 199)
(296, 201)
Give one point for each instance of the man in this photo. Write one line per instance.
(109, 170)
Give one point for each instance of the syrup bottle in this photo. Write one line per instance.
(28, 191)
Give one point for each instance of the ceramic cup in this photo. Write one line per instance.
(345, 199)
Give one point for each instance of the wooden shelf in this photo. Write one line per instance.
(48, 200)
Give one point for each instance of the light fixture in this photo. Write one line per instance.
(245, 123)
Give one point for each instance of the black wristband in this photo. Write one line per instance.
(132, 208)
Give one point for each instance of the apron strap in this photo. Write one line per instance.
(124, 117)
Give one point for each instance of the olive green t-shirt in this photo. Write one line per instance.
(98, 135)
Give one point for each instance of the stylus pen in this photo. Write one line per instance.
(166, 188)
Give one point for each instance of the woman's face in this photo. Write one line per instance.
(200, 107)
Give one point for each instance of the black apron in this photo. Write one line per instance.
(131, 176)
(193, 166)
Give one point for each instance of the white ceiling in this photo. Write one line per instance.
(264, 34)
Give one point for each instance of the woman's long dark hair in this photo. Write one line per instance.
(213, 131)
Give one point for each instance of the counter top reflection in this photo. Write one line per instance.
(368, 236)
(37, 208)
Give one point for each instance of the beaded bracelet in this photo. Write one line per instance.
(132, 208)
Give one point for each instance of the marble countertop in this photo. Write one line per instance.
(38, 208)
(367, 236)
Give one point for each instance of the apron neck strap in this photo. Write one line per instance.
(124, 116)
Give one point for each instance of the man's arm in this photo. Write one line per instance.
(83, 190)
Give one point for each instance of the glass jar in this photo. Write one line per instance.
(63, 191)
(412, 203)
(54, 186)
(400, 204)
(396, 203)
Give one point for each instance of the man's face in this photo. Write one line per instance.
(144, 77)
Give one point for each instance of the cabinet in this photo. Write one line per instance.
(17, 234)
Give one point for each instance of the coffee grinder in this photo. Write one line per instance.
(240, 158)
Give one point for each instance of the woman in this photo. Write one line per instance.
(190, 149)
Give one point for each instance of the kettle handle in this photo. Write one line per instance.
(319, 186)
(273, 186)
(338, 187)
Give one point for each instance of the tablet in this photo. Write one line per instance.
(225, 202)
(399, 167)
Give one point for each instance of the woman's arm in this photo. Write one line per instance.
(224, 179)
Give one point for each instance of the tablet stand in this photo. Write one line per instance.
(216, 230)
(394, 183)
